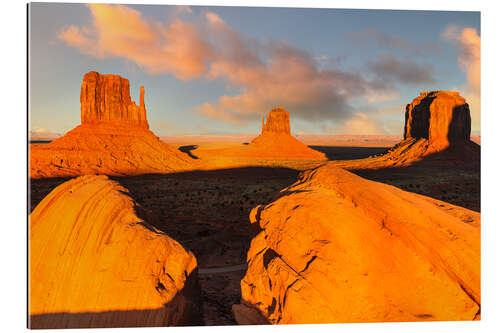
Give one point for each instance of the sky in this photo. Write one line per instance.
(219, 70)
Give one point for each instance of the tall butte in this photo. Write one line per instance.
(105, 98)
(114, 137)
(276, 140)
(437, 131)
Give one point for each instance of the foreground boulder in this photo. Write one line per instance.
(96, 261)
(337, 248)
(437, 132)
(113, 139)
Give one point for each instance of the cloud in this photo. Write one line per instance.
(468, 43)
(392, 41)
(176, 47)
(278, 73)
(261, 75)
(361, 123)
(387, 67)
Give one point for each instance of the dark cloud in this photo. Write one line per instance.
(387, 67)
(392, 41)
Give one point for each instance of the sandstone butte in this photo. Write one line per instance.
(96, 261)
(274, 143)
(336, 248)
(113, 138)
(437, 131)
(276, 140)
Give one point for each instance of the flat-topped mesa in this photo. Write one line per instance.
(442, 117)
(278, 121)
(105, 98)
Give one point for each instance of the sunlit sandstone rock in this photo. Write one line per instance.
(338, 248)
(278, 121)
(437, 131)
(105, 98)
(442, 117)
(96, 261)
(113, 138)
(276, 140)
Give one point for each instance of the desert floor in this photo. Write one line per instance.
(207, 211)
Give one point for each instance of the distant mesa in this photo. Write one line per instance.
(336, 248)
(276, 140)
(278, 121)
(437, 131)
(96, 260)
(113, 139)
(274, 146)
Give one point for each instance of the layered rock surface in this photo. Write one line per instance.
(335, 247)
(278, 121)
(96, 261)
(113, 138)
(437, 132)
(442, 117)
(105, 98)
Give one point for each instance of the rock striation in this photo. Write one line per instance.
(437, 131)
(96, 260)
(105, 98)
(278, 121)
(336, 248)
(113, 139)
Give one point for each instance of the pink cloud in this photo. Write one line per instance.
(264, 75)
(119, 31)
(362, 123)
(469, 43)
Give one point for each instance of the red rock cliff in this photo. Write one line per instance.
(278, 120)
(442, 117)
(105, 98)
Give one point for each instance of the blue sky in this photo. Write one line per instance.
(218, 70)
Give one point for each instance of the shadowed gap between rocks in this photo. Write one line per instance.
(207, 212)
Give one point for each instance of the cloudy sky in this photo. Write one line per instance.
(218, 70)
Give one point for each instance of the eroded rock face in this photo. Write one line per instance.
(436, 133)
(113, 139)
(96, 261)
(442, 117)
(278, 121)
(105, 98)
(338, 248)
